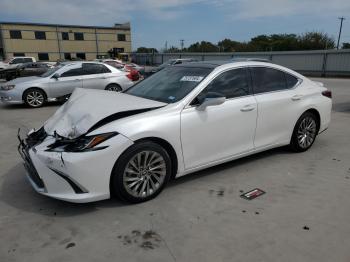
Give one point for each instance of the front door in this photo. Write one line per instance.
(220, 131)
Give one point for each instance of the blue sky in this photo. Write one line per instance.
(154, 22)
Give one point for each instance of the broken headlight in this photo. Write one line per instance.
(80, 144)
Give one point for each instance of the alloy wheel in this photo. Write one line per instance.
(35, 98)
(306, 132)
(114, 88)
(144, 174)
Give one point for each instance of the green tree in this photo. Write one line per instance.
(173, 49)
(203, 47)
(346, 46)
(146, 50)
(315, 41)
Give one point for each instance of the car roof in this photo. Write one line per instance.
(216, 63)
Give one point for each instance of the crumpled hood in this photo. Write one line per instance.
(86, 107)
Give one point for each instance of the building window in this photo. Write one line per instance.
(65, 36)
(121, 37)
(15, 34)
(67, 56)
(43, 56)
(81, 56)
(78, 36)
(19, 54)
(40, 35)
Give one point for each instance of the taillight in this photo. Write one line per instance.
(129, 75)
(327, 93)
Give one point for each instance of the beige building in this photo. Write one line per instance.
(51, 42)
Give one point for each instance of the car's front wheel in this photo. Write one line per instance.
(305, 132)
(34, 97)
(141, 172)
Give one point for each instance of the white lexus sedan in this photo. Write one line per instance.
(59, 82)
(180, 120)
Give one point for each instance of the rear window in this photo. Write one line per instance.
(268, 80)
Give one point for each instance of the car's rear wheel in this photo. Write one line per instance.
(34, 97)
(141, 172)
(305, 132)
(114, 87)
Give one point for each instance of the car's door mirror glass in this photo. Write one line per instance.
(56, 76)
(210, 99)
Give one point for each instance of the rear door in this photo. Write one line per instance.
(69, 79)
(96, 76)
(277, 102)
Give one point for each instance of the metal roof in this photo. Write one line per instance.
(116, 26)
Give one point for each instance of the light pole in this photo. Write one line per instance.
(341, 26)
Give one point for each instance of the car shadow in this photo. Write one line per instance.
(229, 165)
(18, 193)
(23, 106)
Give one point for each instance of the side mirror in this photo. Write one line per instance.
(56, 76)
(211, 99)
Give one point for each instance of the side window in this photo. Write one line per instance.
(92, 69)
(27, 60)
(230, 84)
(291, 80)
(268, 80)
(17, 61)
(73, 72)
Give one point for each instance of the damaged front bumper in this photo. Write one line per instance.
(70, 176)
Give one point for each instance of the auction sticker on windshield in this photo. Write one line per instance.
(192, 78)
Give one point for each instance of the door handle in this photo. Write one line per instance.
(247, 108)
(296, 97)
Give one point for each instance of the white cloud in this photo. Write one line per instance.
(91, 11)
(255, 9)
(105, 12)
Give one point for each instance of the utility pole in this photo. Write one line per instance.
(182, 44)
(341, 26)
(166, 46)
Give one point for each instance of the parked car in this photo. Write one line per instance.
(59, 82)
(114, 63)
(171, 62)
(17, 60)
(140, 69)
(21, 70)
(182, 119)
(134, 74)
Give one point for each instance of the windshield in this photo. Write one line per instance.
(171, 84)
(51, 71)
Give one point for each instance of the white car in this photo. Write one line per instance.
(17, 61)
(59, 82)
(180, 120)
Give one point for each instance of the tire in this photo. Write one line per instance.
(305, 132)
(34, 97)
(114, 87)
(134, 182)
